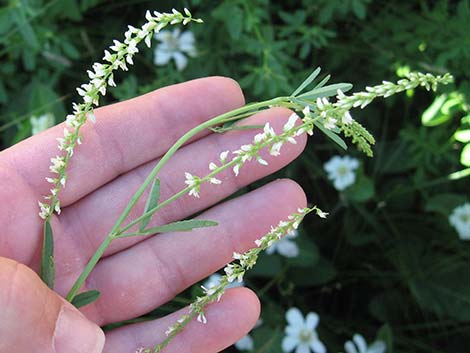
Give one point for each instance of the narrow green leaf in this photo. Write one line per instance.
(234, 127)
(326, 91)
(47, 270)
(322, 82)
(309, 80)
(180, 226)
(332, 136)
(85, 298)
(152, 202)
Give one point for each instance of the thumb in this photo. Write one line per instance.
(35, 319)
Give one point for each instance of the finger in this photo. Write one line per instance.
(83, 228)
(35, 319)
(124, 136)
(227, 321)
(154, 271)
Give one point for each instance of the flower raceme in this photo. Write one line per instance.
(119, 56)
(234, 272)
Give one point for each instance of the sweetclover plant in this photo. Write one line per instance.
(316, 106)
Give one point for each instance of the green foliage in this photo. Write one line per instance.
(386, 262)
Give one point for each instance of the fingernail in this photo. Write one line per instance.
(76, 334)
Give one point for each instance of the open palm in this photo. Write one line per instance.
(136, 275)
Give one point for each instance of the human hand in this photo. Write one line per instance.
(137, 274)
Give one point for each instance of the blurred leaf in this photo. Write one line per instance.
(447, 294)
(23, 26)
(362, 190)
(267, 340)
(444, 203)
(441, 110)
(308, 254)
(385, 334)
(465, 155)
(267, 266)
(322, 272)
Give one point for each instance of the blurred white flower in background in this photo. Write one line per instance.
(301, 333)
(174, 45)
(245, 343)
(359, 345)
(41, 123)
(214, 280)
(286, 246)
(460, 220)
(342, 171)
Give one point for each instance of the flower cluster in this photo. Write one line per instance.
(460, 220)
(248, 152)
(286, 246)
(336, 116)
(235, 272)
(386, 89)
(41, 123)
(102, 75)
(342, 171)
(301, 333)
(174, 45)
(359, 345)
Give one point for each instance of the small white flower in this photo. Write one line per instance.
(342, 171)
(245, 343)
(330, 123)
(291, 122)
(41, 123)
(286, 246)
(202, 318)
(460, 220)
(215, 181)
(321, 214)
(347, 118)
(194, 183)
(276, 148)
(301, 333)
(214, 280)
(174, 45)
(223, 156)
(360, 346)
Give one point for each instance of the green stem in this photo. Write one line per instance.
(115, 231)
(89, 267)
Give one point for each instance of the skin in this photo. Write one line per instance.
(136, 274)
